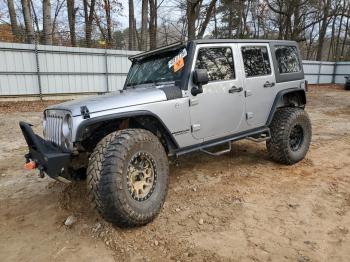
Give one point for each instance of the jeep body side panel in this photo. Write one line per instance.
(173, 113)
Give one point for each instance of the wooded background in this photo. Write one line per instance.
(321, 27)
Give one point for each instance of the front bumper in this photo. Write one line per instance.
(49, 158)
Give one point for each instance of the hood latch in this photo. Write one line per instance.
(85, 112)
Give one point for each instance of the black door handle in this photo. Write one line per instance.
(268, 84)
(235, 89)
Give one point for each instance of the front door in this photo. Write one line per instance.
(219, 110)
(259, 82)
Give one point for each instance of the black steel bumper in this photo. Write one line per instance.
(48, 157)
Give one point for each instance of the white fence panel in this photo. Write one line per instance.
(31, 70)
(317, 72)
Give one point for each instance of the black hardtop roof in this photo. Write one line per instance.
(209, 41)
(219, 41)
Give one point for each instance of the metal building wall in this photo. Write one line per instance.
(319, 72)
(31, 70)
(24, 69)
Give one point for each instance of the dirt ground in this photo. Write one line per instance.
(237, 207)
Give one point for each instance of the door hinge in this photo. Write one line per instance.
(249, 115)
(195, 127)
(193, 101)
(248, 93)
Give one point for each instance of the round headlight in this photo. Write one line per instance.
(67, 127)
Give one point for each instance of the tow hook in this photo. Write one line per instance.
(41, 172)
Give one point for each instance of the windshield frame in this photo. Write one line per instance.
(182, 82)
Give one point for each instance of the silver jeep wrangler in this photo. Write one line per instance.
(177, 99)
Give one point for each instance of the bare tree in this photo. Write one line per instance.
(35, 16)
(323, 29)
(346, 33)
(108, 8)
(28, 21)
(47, 22)
(131, 25)
(153, 23)
(59, 6)
(343, 13)
(13, 19)
(72, 10)
(208, 15)
(192, 15)
(89, 10)
(144, 20)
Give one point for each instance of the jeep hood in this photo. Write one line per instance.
(119, 99)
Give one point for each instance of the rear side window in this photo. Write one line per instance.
(287, 59)
(256, 61)
(218, 61)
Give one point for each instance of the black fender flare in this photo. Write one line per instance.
(279, 100)
(88, 122)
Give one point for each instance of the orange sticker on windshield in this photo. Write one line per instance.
(179, 64)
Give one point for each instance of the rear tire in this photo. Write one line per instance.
(347, 85)
(290, 135)
(128, 177)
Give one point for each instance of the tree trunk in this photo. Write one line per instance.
(153, 24)
(192, 12)
(346, 34)
(107, 7)
(206, 19)
(47, 22)
(338, 35)
(71, 20)
(308, 53)
(230, 22)
(323, 30)
(144, 21)
(131, 25)
(331, 48)
(58, 8)
(215, 23)
(28, 22)
(13, 19)
(89, 17)
(35, 17)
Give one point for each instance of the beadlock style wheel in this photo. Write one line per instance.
(142, 176)
(128, 177)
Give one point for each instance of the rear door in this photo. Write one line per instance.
(259, 82)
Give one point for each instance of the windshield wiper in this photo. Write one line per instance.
(154, 82)
(157, 82)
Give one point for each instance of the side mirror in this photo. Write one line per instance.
(200, 78)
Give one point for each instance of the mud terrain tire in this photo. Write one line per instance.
(290, 135)
(110, 187)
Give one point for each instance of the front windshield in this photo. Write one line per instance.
(164, 67)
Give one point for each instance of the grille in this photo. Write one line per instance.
(53, 127)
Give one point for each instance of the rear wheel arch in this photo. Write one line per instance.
(293, 97)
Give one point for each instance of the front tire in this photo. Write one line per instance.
(290, 135)
(128, 177)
